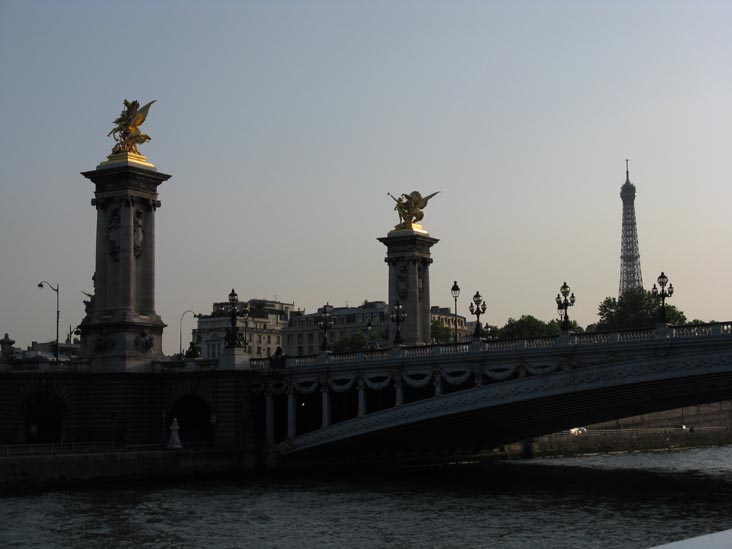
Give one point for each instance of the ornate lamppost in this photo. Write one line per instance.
(325, 323)
(369, 329)
(663, 294)
(58, 311)
(180, 329)
(477, 308)
(398, 315)
(233, 337)
(455, 290)
(564, 303)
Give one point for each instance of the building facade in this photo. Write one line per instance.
(447, 318)
(303, 335)
(262, 328)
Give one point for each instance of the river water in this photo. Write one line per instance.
(619, 501)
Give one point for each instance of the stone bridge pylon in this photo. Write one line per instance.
(121, 330)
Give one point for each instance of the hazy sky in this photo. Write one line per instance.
(284, 124)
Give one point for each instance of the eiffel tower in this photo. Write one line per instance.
(630, 268)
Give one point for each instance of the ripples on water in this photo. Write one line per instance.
(623, 501)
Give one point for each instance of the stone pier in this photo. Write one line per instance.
(408, 257)
(121, 330)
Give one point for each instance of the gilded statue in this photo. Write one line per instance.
(409, 208)
(127, 132)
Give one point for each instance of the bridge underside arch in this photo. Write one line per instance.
(194, 419)
(44, 418)
(486, 417)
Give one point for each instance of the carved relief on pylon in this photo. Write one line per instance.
(113, 227)
(402, 268)
(143, 342)
(138, 234)
(104, 342)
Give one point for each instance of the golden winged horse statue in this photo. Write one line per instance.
(127, 132)
(409, 207)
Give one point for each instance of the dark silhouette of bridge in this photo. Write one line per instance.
(438, 402)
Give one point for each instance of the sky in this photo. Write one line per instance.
(284, 125)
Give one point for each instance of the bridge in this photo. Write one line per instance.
(424, 403)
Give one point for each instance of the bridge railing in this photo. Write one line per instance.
(55, 449)
(567, 339)
(344, 357)
(702, 330)
(499, 345)
(564, 340)
(46, 366)
(409, 352)
(594, 338)
(186, 364)
(541, 342)
(691, 331)
(450, 349)
(380, 354)
(637, 335)
(298, 361)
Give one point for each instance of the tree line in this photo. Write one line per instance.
(634, 309)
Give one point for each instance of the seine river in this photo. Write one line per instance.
(618, 501)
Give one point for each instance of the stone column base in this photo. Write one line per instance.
(234, 359)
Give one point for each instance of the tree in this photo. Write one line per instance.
(635, 308)
(556, 325)
(440, 333)
(361, 341)
(527, 326)
(352, 344)
(491, 331)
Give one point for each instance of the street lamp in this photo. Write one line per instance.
(663, 294)
(325, 323)
(58, 311)
(369, 329)
(398, 315)
(455, 290)
(563, 304)
(180, 329)
(233, 338)
(477, 308)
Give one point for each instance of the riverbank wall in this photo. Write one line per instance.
(42, 472)
(46, 467)
(605, 441)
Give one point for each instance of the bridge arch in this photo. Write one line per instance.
(43, 409)
(45, 414)
(479, 403)
(196, 420)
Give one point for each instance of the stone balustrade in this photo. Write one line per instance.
(582, 340)
(589, 339)
(45, 366)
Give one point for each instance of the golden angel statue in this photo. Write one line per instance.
(409, 207)
(127, 132)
